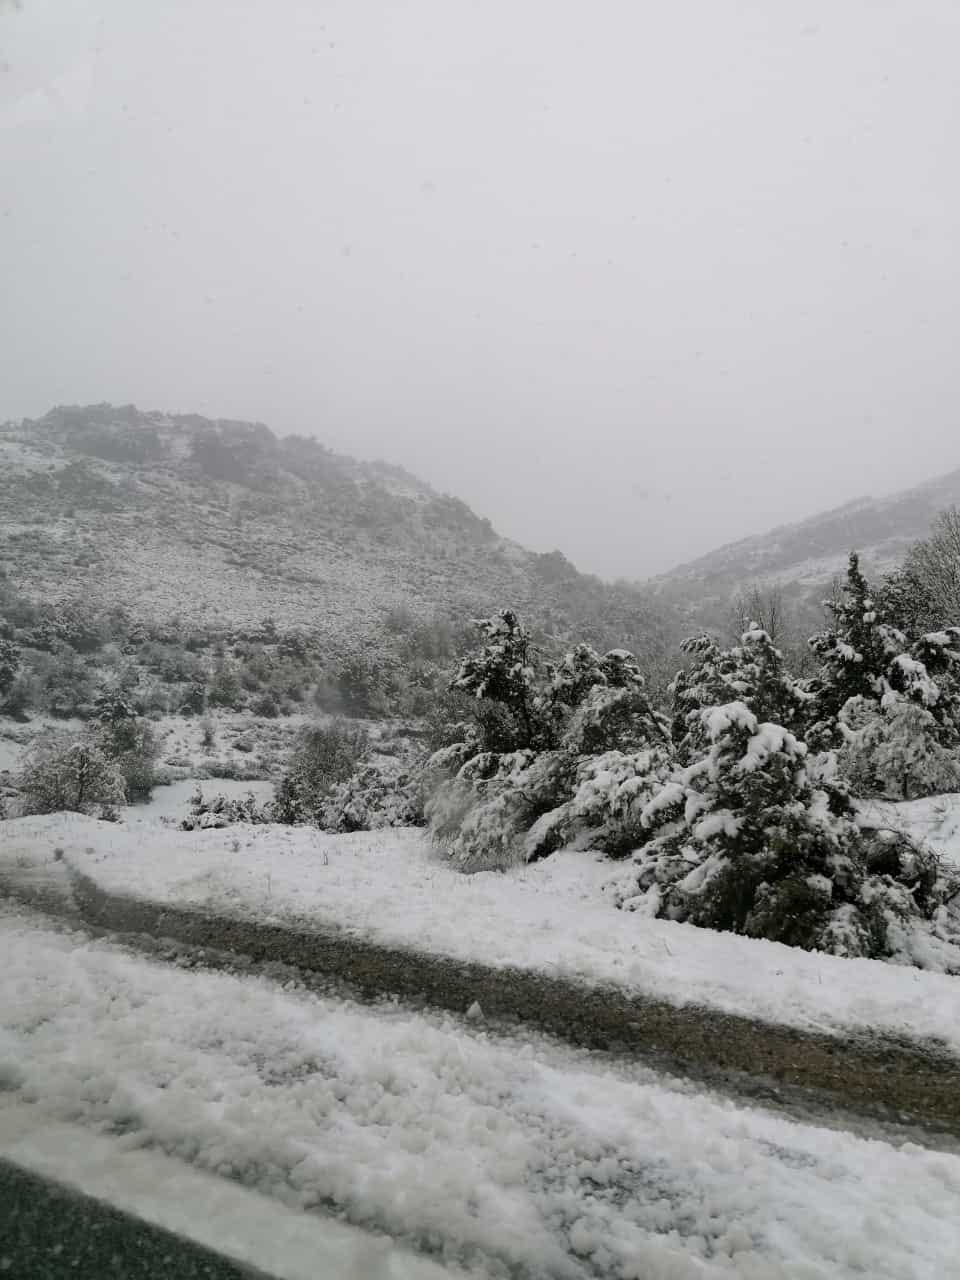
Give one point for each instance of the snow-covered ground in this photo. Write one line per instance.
(16, 738)
(248, 745)
(213, 1212)
(171, 803)
(935, 821)
(242, 741)
(507, 1156)
(551, 916)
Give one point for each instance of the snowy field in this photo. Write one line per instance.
(506, 1156)
(551, 916)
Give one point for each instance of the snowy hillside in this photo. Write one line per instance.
(803, 557)
(221, 524)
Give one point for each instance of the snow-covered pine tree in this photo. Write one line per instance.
(127, 740)
(892, 707)
(756, 834)
(506, 797)
(907, 744)
(752, 672)
(502, 677)
(619, 747)
(855, 654)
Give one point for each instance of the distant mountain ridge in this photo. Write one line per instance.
(221, 523)
(803, 557)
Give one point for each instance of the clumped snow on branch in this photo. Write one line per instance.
(737, 811)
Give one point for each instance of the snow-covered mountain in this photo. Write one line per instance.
(222, 524)
(803, 557)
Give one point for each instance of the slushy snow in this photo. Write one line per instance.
(552, 916)
(506, 1157)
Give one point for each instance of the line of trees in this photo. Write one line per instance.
(737, 804)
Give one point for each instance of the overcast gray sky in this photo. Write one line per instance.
(632, 277)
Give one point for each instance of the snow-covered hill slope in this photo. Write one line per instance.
(803, 557)
(221, 523)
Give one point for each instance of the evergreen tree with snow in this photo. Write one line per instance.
(754, 833)
(128, 741)
(751, 672)
(891, 707)
(855, 652)
(502, 678)
(508, 785)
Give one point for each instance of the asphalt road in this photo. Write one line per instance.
(49, 1232)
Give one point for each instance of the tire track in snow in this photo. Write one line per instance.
(897, 1082)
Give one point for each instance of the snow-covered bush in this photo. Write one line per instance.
(221, 811)
(502, 679)
(891, 706)
(129, 743)
(498, 803)
(502, 809)
(385, 791)
(225, 689)
(323, 756)
(744, 838)
(895, 751)
(613, 789)
(360, 685)
(63, 682)
(69, 772)
(753, 833)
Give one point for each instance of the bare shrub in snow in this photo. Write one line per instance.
(930, 579)
(69, 772)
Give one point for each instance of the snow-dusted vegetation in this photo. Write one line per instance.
(738, 811)
(749, 824)
(726, 798)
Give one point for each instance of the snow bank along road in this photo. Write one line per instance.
(552, 916)
(503, 1157)
(814, 1073)
(875, 1076)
